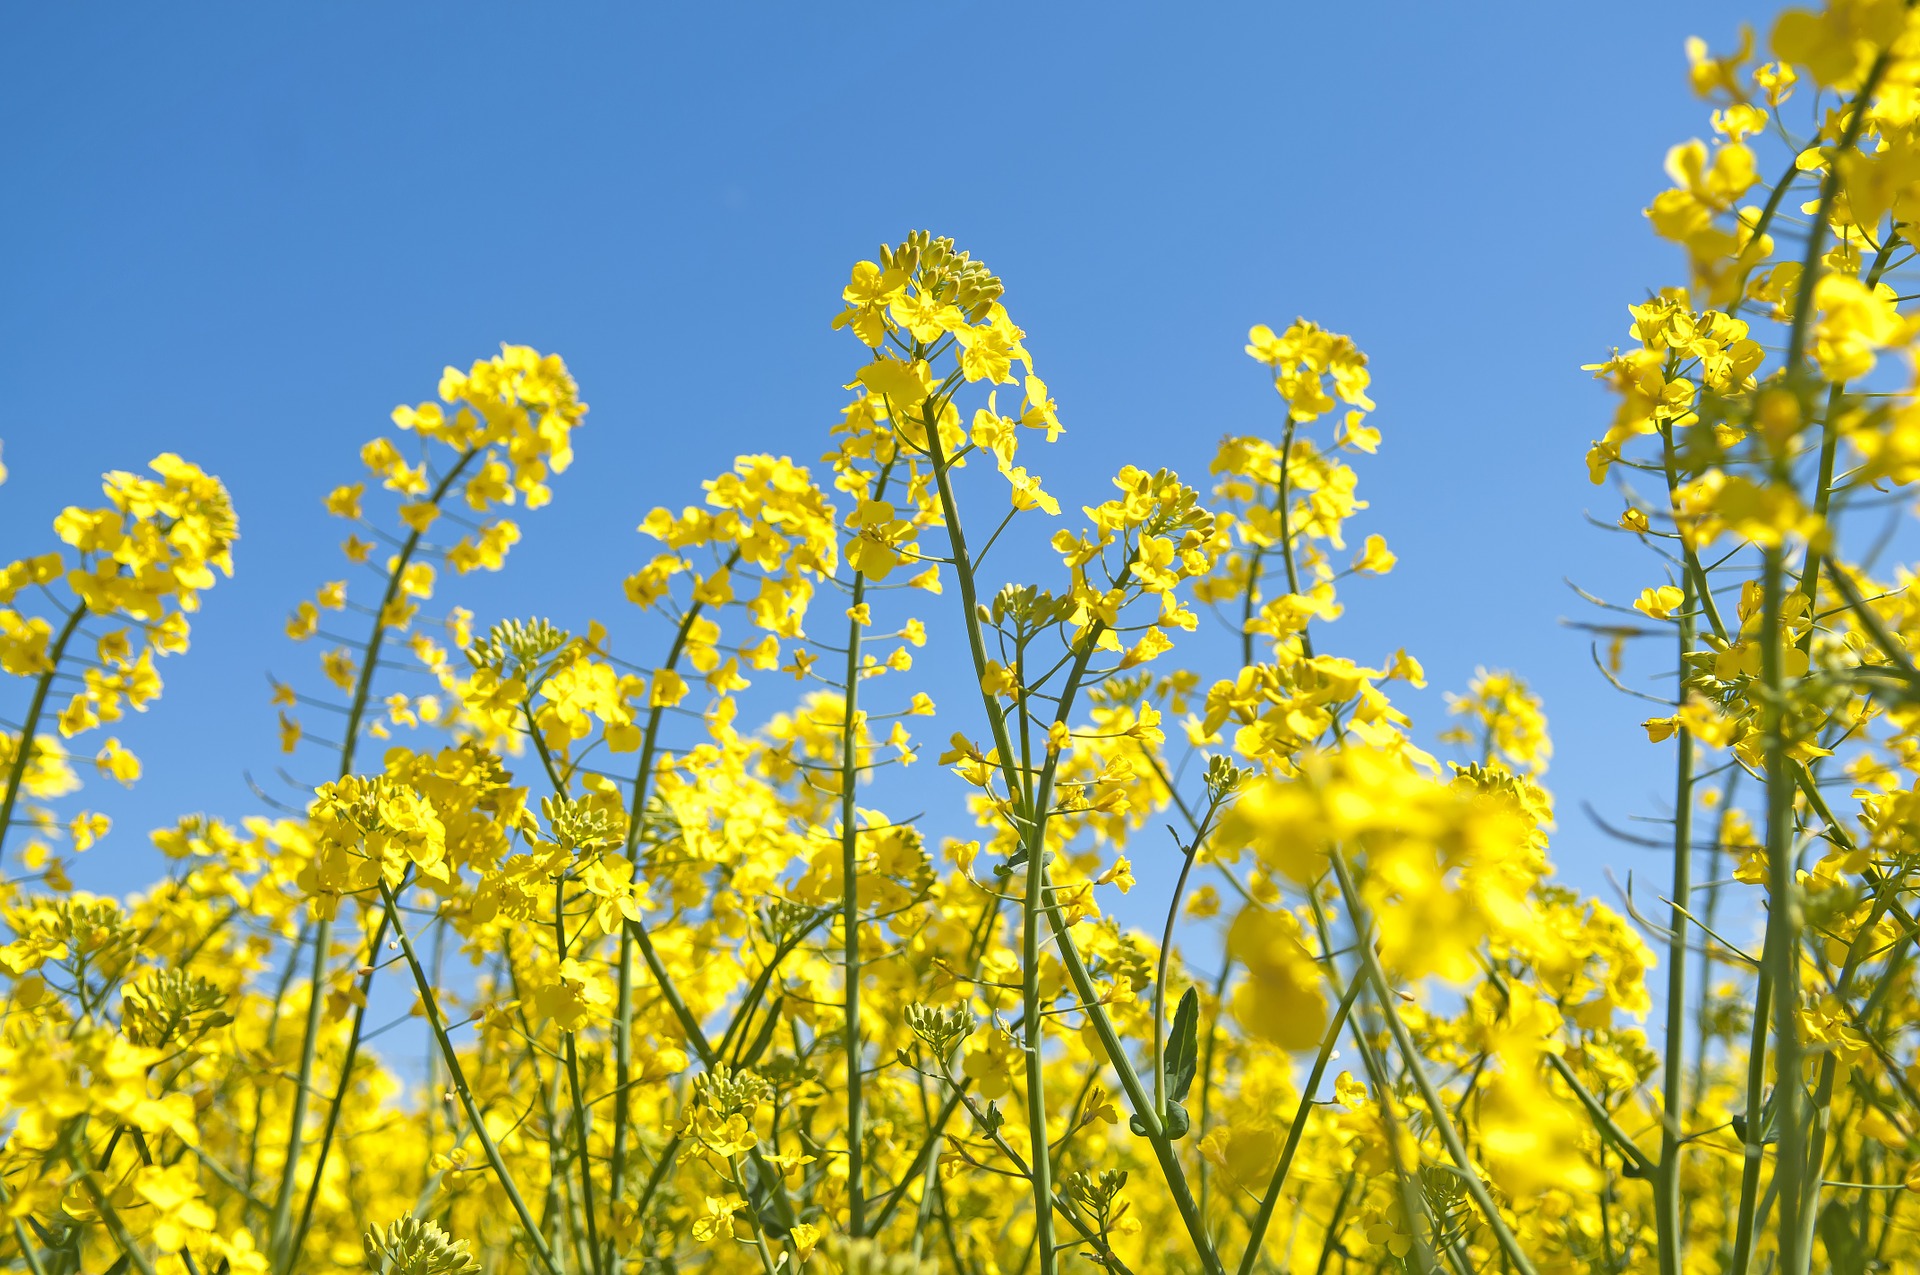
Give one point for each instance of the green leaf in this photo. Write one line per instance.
(1845, 1250)
(1183, 1050)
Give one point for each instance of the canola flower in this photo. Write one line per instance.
(689, 1003)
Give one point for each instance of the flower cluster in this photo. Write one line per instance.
(604, 957)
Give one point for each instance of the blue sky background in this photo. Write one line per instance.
(245, 233)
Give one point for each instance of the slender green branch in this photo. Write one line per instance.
(850, 889)
(103, 1203)
(279, 1247)
(623, 997)
(457, 1074)
(1746, 1216)
(29, 727)
(1666, 1197)
(1034, 840)
(1258, 1231)
(574, 1091)
(1783, 955)
(1450, 1136)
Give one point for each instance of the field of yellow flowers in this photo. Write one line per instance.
(690, 1005)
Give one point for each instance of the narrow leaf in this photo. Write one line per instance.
(1183, 1050)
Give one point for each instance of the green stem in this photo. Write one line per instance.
(1247, 599)
(623, 1002)
(1784, 908)
(1272, 1197)
(24, 748)
(1753, 1146)
(1694, 572)
(1037, 886)
(280, 1230)
(850, 904)
(1412, 1200)
(1206, 1071)
(753, 1222)
(27, 1253)
(1019, 1162)
(332, 1123)
(1137, 1095)
(1450, 1136)
(1332, 1234)
(457, 1074)
(574, 1092)
(1032, 1022)
(1166, 953)
(111, 1216)
(1829, 451)
(925, 1157)
(1033, 1044)
(1829, 191)
(1784, 905)
(1666, 1195)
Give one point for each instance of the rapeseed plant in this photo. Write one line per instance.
(692, 1005)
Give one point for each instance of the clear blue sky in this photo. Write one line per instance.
(245, 232)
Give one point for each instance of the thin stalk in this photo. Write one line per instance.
(759, 1235)
(111, 1216)
(1206, 1072)
(850, 904)
(332, 1123)
(1412, 1200)
(926, 1157)
(1031, 1019)
(1709, 921)
(1666, 1193)
(1033, 1043)
(1695, 574)
(1810, 270)
(1332, 1234)
(574, 1092)
(623, 999)
(457, 1074)
(702, 1048)
(280, 1229)
(1020, 1164)
(1258, 1231)
(274, 1020)
(1857, 952)
(1383, 997)
(1790, 1162)
(20, 1235)
(1753, 1148)
(1137, 1095)
(1784, 905)
(1166, 952)
(30, 725)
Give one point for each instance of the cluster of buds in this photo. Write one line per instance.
(944, 274)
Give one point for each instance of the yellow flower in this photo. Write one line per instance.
(1280, 1000)
(575, 996)
(179, 1217)
(716, 1222)
(1658, 603)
